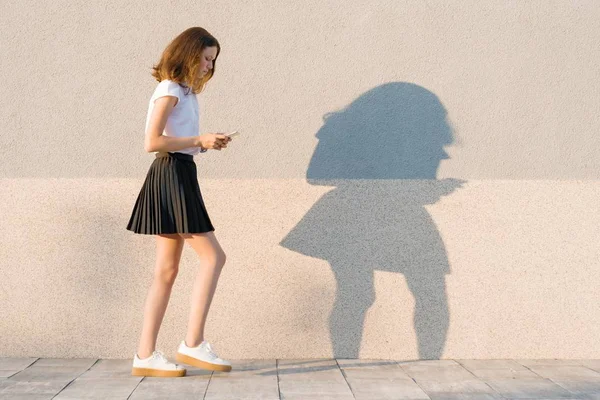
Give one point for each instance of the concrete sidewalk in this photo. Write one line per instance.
(33, 378)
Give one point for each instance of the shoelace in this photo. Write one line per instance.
(209, 350)
(161, 355)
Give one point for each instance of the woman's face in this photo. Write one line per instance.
(206, 60)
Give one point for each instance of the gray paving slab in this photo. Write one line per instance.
(12, 365)
(528, 388)
(16, 363)
(25, 388)
(188, 387)
(26, 397)
(548, 361)
(8, 373)
(584, 389)
(578, 380)
(379, 379)
(591, 364)
(83, 363)
(427, 363)
(591, 397)
(448, 372)
(109, 369)
(46, 374)
(249, 379)
(464, 396)
(113, 388)
(322, 379)
(32, 378)
(492, 364)
(498, 369)
(367, 364)
(566, 372)
(440, 379)
(295, 367)
(372, 384)
(470, 386)
(452, 380)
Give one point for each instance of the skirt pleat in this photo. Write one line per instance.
(170, 200)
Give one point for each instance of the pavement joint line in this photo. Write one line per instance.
(413, 379)
(478, 378)
(277, 370)
(73, 380)
(345, 378)
(207, 384)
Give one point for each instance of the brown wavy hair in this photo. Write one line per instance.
(181, 58)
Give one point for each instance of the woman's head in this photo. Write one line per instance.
(189, 59)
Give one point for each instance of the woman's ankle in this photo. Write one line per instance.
(144, 354)
(193, 343)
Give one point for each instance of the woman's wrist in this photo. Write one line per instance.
(199, 144)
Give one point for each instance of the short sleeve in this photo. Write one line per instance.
(167, 88)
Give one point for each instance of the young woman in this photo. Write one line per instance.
(170, 203)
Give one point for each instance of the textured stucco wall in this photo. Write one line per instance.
(414, 179)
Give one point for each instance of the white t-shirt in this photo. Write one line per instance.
(184, 120)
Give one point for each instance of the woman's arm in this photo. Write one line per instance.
(154, 139)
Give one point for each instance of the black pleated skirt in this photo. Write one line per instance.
(170, 200)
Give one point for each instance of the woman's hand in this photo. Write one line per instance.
(215, 141)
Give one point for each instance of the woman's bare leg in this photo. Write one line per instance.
(168, 254)
(212, 260)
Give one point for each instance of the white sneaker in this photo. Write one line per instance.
(201, 356)
(156, 365)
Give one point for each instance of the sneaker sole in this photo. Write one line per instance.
(184, 359)
(156, 372)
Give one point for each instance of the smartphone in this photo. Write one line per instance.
(232, 134)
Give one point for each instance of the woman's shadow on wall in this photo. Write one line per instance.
(381, 153)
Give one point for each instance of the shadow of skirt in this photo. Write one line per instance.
(170, 200)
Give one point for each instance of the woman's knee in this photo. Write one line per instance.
(166, 272)
(223, 258)
(208, 248)
(216, 259)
